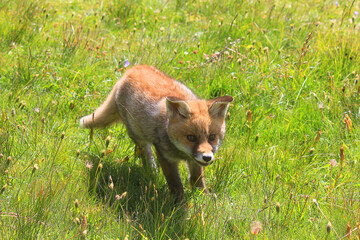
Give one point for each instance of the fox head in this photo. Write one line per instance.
(197, 127)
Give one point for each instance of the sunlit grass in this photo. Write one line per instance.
(288, 171)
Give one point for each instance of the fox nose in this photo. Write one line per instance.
(207, 158)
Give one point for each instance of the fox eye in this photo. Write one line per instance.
(191, 138)
(212, 137)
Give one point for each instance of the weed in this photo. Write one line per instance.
(289, 163)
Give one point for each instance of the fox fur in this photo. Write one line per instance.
(160, 111)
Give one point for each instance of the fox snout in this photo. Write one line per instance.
(204, 154)
(204, 158)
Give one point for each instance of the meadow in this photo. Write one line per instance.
(288, 167)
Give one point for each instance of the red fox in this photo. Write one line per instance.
(157, 110)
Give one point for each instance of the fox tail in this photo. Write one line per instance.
(105, 115)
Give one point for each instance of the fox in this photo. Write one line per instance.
(161, 112)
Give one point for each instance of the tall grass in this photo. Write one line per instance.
(288, 171)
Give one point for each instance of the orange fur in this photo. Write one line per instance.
(162, 112)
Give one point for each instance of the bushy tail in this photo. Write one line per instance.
(105, 115)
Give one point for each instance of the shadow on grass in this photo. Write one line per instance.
(139, 195)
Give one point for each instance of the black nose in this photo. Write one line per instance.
(207, 158)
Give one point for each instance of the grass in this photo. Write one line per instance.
(290, 170)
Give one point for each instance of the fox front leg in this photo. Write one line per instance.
(171, 172)
(196, 176)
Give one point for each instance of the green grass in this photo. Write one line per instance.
(294, 65)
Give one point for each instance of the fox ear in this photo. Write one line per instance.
(219, 106)
(177, 107)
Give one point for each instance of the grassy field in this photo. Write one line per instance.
(288, 168)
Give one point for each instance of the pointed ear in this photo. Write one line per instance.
(177, 107)
(219, 106)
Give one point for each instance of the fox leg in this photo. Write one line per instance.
(146, 155)
(142, 149)
(171, 172)
(196, 176)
